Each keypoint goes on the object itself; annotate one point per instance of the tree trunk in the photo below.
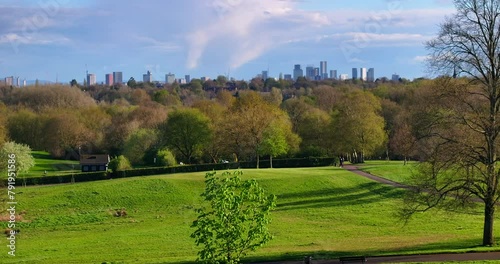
(489, 216)
(271, 161)
(258, 160)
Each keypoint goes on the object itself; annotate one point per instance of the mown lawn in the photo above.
(391, 170)
(45, 163)
(325, 212)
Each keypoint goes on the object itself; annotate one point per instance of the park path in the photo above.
(477, 256)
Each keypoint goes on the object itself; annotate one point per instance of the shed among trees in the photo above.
(91, 163)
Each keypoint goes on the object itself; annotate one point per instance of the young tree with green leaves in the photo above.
(235, 220)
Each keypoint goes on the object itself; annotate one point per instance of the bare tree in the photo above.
(462, 136)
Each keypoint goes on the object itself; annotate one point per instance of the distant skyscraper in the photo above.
(147, 78)
(170, 78)
(109, 79)
(297, 72)
(362, 74)
(18, 82)
(265, 75)
(288, 77)
(91, 80)
(333, 74)
(9, 80)
(117, 77)
(354, 73)
(371, 75)
(188, 78)
(317, 74)
(204, 78)
(323, 71)
(25, 83)
(310, 72)
(395, 77)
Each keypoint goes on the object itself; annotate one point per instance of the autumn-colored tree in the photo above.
(27, 127)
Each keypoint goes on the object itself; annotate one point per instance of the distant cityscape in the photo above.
(311, 73)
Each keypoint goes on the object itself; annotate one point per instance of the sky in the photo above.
(62, 39)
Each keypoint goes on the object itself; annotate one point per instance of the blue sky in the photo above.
(48, 38)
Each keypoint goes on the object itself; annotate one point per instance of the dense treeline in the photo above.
(216, 120)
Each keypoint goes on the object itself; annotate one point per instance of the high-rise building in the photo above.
(288, 77)
(264, 75)
(354, 73)
(109, 79)
(310, 72)
(317, 74)
(323, 70)
(9, 81)
(362, 74)
(333, 74)
(170, 78)
(395, 77)
(91, 80)
(371, 75)
(25, 83)
(18, 82)
(147, 78)
(297, 72)
(117, 77)
(188, 78)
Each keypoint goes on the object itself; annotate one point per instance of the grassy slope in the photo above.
(328, 211)
(391, 170)
(44, 162)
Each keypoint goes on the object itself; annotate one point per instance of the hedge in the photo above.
(56, 179)
(95, 176)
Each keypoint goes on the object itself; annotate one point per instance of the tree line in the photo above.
(212, 125)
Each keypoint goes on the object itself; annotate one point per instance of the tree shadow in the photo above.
(337, 196)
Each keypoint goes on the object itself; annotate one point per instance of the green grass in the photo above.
(45, 163)
(325, 212)
(391, 170)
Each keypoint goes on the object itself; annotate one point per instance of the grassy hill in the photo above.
(45, 163)
(327, 212)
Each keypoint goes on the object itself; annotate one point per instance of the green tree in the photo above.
(465, 131)
(73, 83)
(235, 221)
(24, 159)
(186, 131)
(138, 143)
(131, 82)
(357, 126)
(274, 142)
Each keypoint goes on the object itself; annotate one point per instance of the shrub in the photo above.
(119, 163)
(165, 158)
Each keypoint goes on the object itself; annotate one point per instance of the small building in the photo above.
(91, 163)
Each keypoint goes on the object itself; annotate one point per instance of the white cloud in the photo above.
(157, 45)
(249, 29)
(420, 59)
(33, 39)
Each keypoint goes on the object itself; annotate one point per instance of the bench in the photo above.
(361, 259)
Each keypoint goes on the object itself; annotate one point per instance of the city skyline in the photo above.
(51, 40)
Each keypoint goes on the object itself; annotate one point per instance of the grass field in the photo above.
(45, 163)
(391, 170)
(325, 212)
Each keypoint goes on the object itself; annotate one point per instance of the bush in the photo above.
(165, 158)
(119, 163)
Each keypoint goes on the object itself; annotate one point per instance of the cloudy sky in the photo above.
(48, 38)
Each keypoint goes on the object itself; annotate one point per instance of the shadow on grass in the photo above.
(333, 197)
(458, 246)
